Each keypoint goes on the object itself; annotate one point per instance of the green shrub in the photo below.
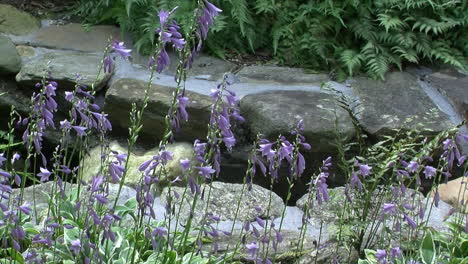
(349, 36)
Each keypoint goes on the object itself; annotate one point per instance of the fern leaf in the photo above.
(390, 22)
(351, 59)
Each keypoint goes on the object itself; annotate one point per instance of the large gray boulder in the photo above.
(399, 102)
(278, 113)
(10, 62)
(454, 86)
(124, 92)
(16, 22)
(64, 68)
(329, 211)
(92, 161)
(223, 202)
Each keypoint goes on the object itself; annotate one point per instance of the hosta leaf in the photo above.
(427, 249)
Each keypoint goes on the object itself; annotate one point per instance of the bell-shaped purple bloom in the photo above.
(75, 246)
(120, 48)
(364, 169)
(80, 130)
(182, 104)
(163, 61)
(229, 141)
(429, 172)
(185, 164)
(205, 171)
(25, 208)
(252, 249)
(389, 208)
(412, 166)
(395, 252)
(381, 256)
(410, 221)
(44, 174)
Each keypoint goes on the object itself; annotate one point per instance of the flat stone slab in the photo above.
(124, 92)
(399, 102)
(285, 75)
(278, 112)
(454, 86)
(10, 61)
(74, 37)
(16, 22)
(64, 67)
(204, 67)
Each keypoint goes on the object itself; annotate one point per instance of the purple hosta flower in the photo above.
(121, 49)
(80, 130)
(165, 156)
(159, 232)
(364, 169)
(355, 182)
(410, 221)
(199, 149)
(49, 89)
(436, 198)
(5, 188)
(395, 252)
(321, 185)
(44, 174)
(108, 64)
(300, 164)
(182, 104)
(185, 164)
(15, 157)
(121, 158)
(65, 124)
(429, 172)
(260, 221)
(381, 256)
(18, 233)
(252, 249)
(389, 208)
(75, 246)
(206, 18)
(412, 261)
(412, 166)
(163, 61)
(25, 208)
(5, 174)
(116, 171)
(96, 182)
(206, 171)
(286, 150)
(104, 123)
(229, 141)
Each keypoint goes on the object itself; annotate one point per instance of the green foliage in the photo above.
(348, 36)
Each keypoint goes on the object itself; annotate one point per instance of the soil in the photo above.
(41, 7)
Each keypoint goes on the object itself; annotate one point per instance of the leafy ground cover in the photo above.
(382, 215)
(347, 37)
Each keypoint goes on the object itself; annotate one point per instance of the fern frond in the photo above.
(351, 59)
(390, 22)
